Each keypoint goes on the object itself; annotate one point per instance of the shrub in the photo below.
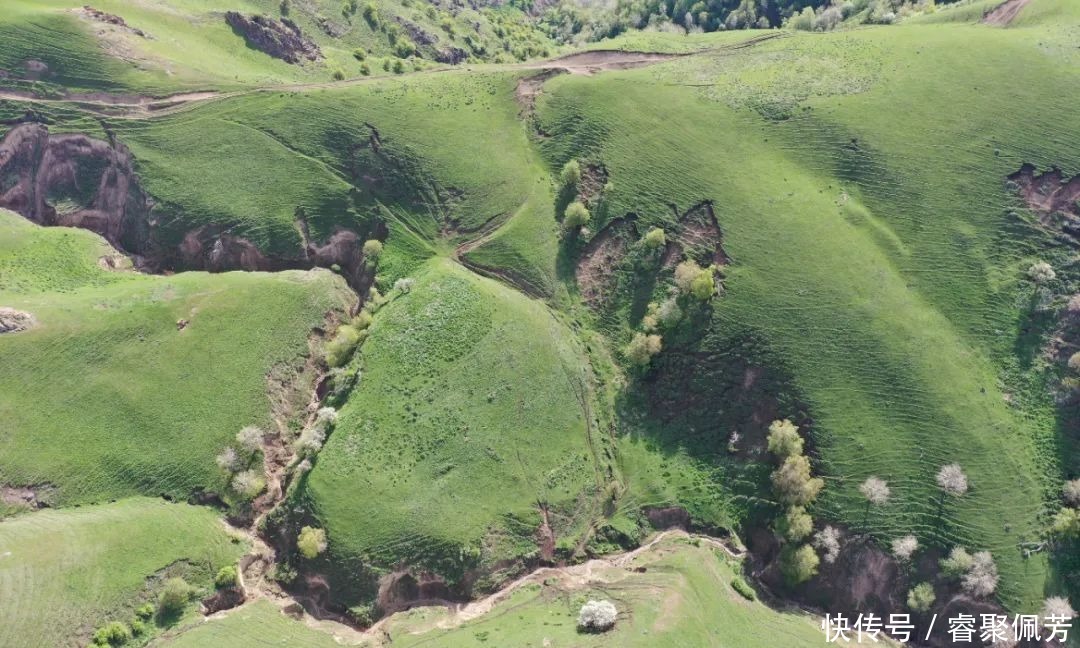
(744, 590)
(174, 596)
(952, 480)
(570, 174)
(145, 611)
(398, 67)
(113, 633)
(338, 75)
(371, 14)
(655, 239)
(248, 484)
(793, 483)
(875, 490)
(597, 616)
(796, 524)
(250, 438)
(982, 579)
(784, 440)
(226, 577)
(575, 216)
(957, 563)
(340, 349)
(359, 54)
(386, 64)
(921, 597)
(404, 49)
(799, 565)
(904, 548)
(703, 286)
(1041, 272)
(1071, 491)
(138, 627)
(642, 348)
(365, 69)
(828, 540)
(404, 285)
(372, 248)
(311, 542)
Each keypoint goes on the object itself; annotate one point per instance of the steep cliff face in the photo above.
(73, 180)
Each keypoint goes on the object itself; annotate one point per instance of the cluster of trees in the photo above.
(242, 462)
(173, 598)
(796, 489)
(576, 215)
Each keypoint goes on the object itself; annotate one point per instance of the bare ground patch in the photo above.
(13, 321)
(1005, 12)
(1053, 196)
(595, 276)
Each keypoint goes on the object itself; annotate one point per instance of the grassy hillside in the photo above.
(859, 182)
(468, 418)
(63, 573)
(108, 370)
(255, 625)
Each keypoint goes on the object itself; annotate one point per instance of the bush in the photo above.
(404, 285)
(338, 75)
(399, 67)
(226, 577)
(404, 49)
(311, 542)
(597, 616)
(921, 597)
(570, 175)
(799, 565)
(145, 611)
(228, 460)
(642, 348)
(744, 590)
(575, 216)
(113, 633)
(341, 348)
(952, 480)
(365, 69)
(362, 320)
(174, 597)
(655, 239)
(1066, 523)
(138, 627)
(359, 54)
(372, 248)
(784, 440)
(371, 14)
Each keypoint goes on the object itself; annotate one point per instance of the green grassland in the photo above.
(469, 416)
(859, 181)
(63, 573)
(107, 372)
(255, 625)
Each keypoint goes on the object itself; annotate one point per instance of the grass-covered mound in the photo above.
(128, 383)
(255, 625)
(859, 180)
(64, 573)
(471, 416)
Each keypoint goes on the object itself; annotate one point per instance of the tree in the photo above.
(828, 540)
(570, 174)
(341, 348)
(796, 524)
(904, 548)
(597, 616)
(1040, 272)
(958, 563)
(1074, 361)
(250, 438)
(1066, 523)
(685, 273)
(228, 460)
(642, 348)
(982, 579)
(404, 285)
(248, 483)
(793, 482)
(875, 490)
(575, 216)
(311, 542)
(952, 480)
(799, 565)
(372, 249)
(784, 440)
(1057, 610)
(655, 239)
(1071, 491)
(703, 286)
(669, 314)
(174, 596)
(226, 577)
(921, 597)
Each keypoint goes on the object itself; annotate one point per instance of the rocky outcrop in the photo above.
(452, 55)
(281, 39)
(75, 181)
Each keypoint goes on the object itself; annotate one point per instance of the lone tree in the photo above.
(784, 440)
(597, 616)
(570, 175)
(828, 540)
(575, 216)
(311, 542)
(952, 480)
(1041, 272)
(921, 597)
(876, 491)
(793, 483)
(904, 548)
(372, 249)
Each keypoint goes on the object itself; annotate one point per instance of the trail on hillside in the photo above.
(1005, 12)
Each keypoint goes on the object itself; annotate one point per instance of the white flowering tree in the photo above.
(597, 616)
(904, 548)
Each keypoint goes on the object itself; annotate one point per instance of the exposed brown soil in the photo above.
(529, 88)
(1054, 197)
(595, 267)
(593, 179)
(110, 19)
(33, 497)
(545, 536)
(404, 589)
(700, 237)
(668, 517)
(223, 599)
(281, 39)
(13, 321)
(601, 60)
(1005, 12)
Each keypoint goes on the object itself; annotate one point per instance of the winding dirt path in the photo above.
(1005, 12)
